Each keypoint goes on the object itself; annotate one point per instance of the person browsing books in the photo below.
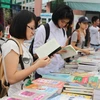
(78, 36)
(62, 16)
(22, 28)
(95, 33)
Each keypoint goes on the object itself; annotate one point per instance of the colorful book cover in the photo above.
(12, 98)
(42, 89)
(81, 80)
(98, 86)
(93, 82)
(84, 74)
(77, 79)
(49, 82)
(79, 95)
(70, 97)
(56, 76)
(31, 95)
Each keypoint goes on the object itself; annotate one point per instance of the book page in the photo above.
(70, 52)
(48, 48)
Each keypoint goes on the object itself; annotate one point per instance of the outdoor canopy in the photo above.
(86, 5)
(6, 3)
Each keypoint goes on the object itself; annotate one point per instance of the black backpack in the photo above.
(47, 32)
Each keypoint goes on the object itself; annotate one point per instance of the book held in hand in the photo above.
(48, 49)
(70, 52)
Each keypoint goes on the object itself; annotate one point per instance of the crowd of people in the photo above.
(87, 33)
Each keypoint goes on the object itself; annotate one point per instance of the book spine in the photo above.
(67, 86)
(74, 89)
(66, 91)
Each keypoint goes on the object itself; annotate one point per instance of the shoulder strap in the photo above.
(2, 39)
(78, 35)
(19, 45)
(20, 51)
(47, 30)
(63, 32)
(31, 47)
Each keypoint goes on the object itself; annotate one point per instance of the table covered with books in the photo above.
(78, 80)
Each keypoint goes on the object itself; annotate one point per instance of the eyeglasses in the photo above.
(30, 27)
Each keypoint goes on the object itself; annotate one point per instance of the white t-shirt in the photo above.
(94, 35)
(27, 61)
(39, 39)
(2, 40)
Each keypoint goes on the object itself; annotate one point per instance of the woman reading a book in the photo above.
(22, 28)
(61, 17)
(78, 36)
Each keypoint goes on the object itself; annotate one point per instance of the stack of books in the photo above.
(70, 96)
(72, 65)
(50, 82)
(57, 76)
(31, 95)
(96, 93)
(50, 91)
(10, 98)
(67, 70)
(78, 90)
(87, 64)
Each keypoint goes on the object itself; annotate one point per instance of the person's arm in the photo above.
(79, 49)
(74, 39)
(13, 74)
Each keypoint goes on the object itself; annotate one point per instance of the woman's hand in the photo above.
(42, 62)
(62, 51)
(86, 51)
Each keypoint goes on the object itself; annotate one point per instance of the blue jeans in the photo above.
(95, 47)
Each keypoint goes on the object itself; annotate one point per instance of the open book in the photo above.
(48, 49)
(70, 52)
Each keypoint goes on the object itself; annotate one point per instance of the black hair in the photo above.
(38, 18)
(9, 21)
(19, 24)
(62, 12)
(94, 19)
(1, 28)
(77, 26)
